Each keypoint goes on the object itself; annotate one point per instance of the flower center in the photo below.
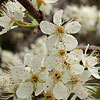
(57, 76)
(66, 64)
(49, 96)
(62, 52)
(74, 80)
(34, 79)
(60, 29)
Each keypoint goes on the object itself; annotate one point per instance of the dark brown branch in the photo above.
(38, 15)
(91, 48)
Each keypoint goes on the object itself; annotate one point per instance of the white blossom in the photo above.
(36, 79)
(86, 15)
(61, 31)
(13, 13)
(89, 62)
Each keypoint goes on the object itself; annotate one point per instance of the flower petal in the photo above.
(71, 59)
(72, 27)
(47, 27)
(44, 75)
(77, 53)
(92, 61)
(36, 63)
(49, 62)
(84, 77)
(24, 90)
(66, 77)
(94, 72)
(51, 42)
(76, 69)
(60, 91)
(20, 74)
(28, 58)
(48, 84)
(57, 18)
(39, 89)
(70, 42)
(80, 91)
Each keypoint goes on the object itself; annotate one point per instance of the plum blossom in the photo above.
(55, 84)
(58, 57)
(14, 12)
(89, 62)
(60, 31)
(76, 84)
(18, 75)
(72, 62)
(36, 80)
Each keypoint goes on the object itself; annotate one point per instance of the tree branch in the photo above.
(91, 48)
(38, 15)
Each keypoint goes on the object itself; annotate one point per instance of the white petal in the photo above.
(28, 58)
(20, 74)
(94, 72)
(57, 18)
(73, 27)
(60, 91)
(77, 69)
(49, 62)
(66, 77)
(80, 91)
(48, 84)
(44, 75)
(50, 1)
(51, 42)
(77, 53)
(39, 89)
(29, 98)
(36, 63)
(24, 90)
(84, 77)
(47, 27)
(92, 61)
(70, 42)
(72, 59)
(18, 16)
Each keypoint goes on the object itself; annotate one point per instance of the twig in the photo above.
(91, 48)
(38, 15)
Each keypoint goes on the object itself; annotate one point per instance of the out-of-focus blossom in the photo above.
(86, 15)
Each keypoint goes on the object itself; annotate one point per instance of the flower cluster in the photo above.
(13, 11)
(64, 70)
